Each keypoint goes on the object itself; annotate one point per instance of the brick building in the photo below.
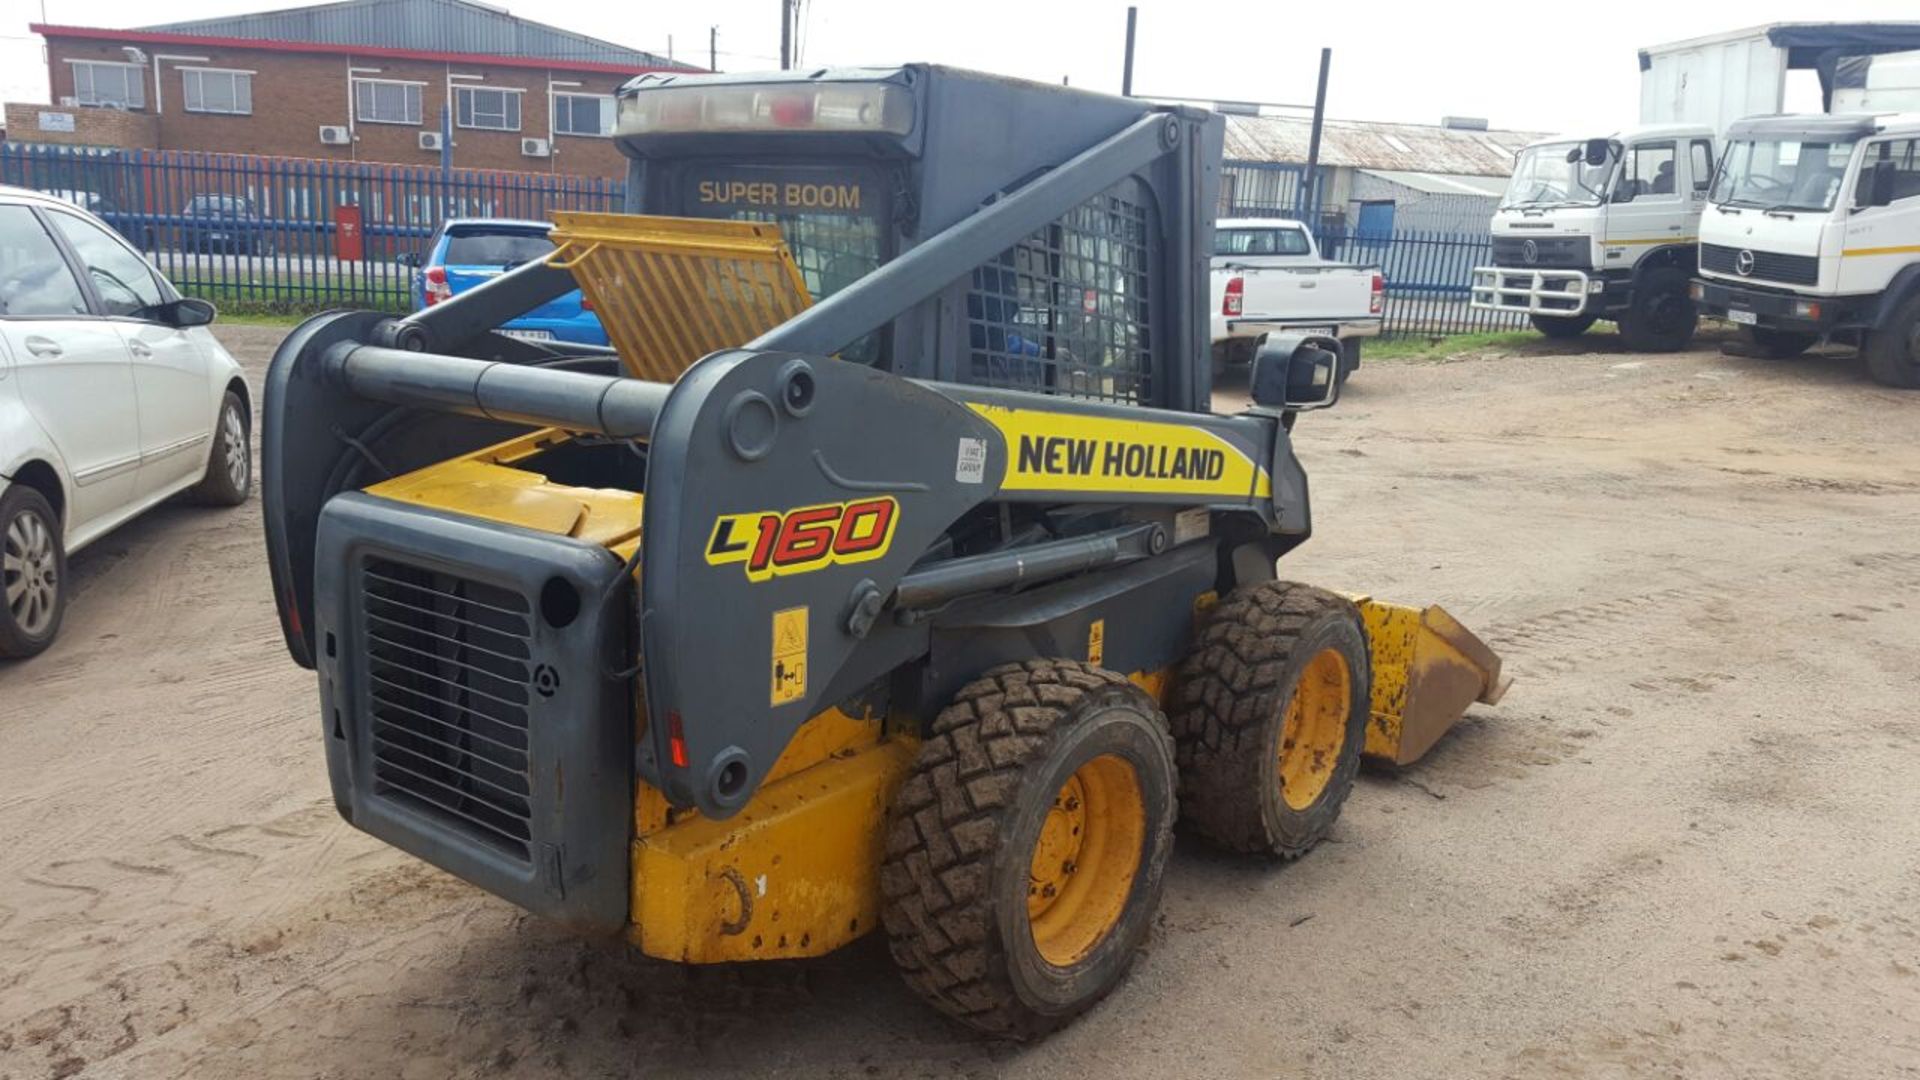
(363, 80)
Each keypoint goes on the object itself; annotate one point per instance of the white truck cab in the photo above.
(1602, 228)
(1813, 230)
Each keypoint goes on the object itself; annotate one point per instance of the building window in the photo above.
(486, 109)
(117, 86)
(382, 101)
(211, 90)
(583, 114)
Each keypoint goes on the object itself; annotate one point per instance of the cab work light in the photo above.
(817, 107)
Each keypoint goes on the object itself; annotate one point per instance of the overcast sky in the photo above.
(1548, 67)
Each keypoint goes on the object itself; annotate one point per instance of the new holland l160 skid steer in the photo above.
(891, 572)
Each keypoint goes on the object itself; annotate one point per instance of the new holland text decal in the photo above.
(1049, 451)
(772, 542)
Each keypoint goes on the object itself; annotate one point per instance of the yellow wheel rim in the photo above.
(1083, 865)
(1315, 728)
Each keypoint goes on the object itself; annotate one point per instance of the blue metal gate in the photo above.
(264, 231)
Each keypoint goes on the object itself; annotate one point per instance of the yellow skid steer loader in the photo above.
(891, 572)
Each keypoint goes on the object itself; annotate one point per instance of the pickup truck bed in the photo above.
(1268, 277)
(1250, 301)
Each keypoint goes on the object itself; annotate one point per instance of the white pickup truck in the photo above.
(1268, 277)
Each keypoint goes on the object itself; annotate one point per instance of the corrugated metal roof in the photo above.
(1366, 145)
(1438, 184)
(443, 26)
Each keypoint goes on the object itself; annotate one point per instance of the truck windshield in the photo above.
(1543, 176)
(1781, 174)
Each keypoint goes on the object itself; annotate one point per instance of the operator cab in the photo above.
(859, 165)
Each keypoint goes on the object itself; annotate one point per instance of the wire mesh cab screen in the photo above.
(832, 218)
(1067, 311)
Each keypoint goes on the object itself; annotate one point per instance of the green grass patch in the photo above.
(1438, 346)
(288, 303)
(229, 317)
(236, 303)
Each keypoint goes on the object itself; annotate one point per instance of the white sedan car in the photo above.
(113, 397)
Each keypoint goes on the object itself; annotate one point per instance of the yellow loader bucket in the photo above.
(1427, 668)
(671, 290)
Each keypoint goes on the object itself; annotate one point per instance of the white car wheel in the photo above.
(33, 566)
(229, 475)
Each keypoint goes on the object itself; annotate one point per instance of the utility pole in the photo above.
(713, 48)
(1309, 188)
(786, 34)
(1126, 73)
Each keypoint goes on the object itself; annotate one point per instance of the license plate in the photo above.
(1744, 318)
(1322, 331)
(529, 335)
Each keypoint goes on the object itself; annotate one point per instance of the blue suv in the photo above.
(470, 251)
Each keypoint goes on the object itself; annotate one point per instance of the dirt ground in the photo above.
(1687, 845)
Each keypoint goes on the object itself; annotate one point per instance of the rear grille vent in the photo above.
(448, 665)
(1767, 265)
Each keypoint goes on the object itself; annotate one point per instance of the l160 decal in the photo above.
(773, 542)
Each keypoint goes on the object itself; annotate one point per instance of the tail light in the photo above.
(437, 287)
(1378, 301)
(586, 302)
(1236, 299)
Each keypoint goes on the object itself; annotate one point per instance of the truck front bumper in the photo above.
(1779, 309)
(1562, 293)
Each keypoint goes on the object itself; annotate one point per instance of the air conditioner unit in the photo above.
(333, 135)
(69, 102)
(534, 148)
(429, 140)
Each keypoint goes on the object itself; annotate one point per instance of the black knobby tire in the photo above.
(1660, 317)
(1776, 344)
(31, 550)
(1893, 351)
(229, 475)
(1230, 716)
(963, 831)
(1562, 327)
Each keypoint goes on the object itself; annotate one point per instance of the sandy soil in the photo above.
(1688, 844)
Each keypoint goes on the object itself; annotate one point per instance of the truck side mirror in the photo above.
(1296, 372)
(1597, 151)
(1880, 184)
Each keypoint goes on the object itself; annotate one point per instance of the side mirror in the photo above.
(1296, 372)
(409, 259)
(1597, 152)
(181, 314)
(1880, 184)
